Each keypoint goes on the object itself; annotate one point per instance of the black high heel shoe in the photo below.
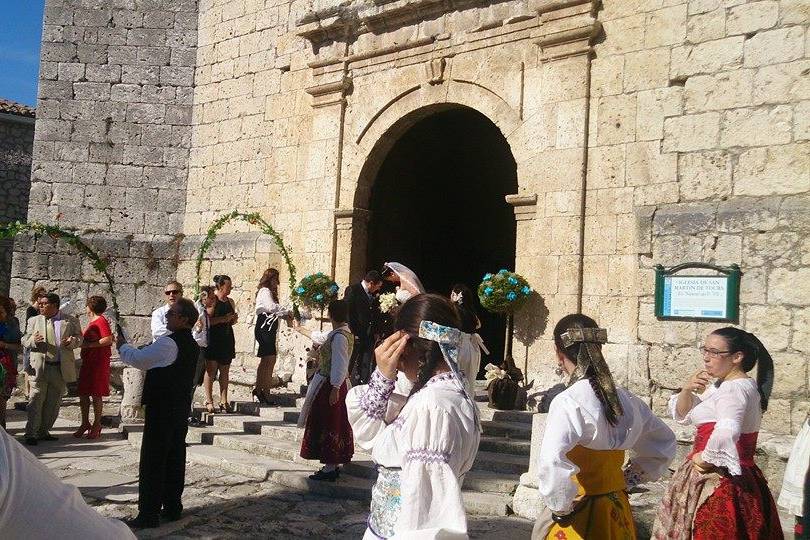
(258, 394)
(330, 476)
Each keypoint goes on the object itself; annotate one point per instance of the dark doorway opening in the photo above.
(437, 206)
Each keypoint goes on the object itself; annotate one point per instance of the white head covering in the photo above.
(407, 278)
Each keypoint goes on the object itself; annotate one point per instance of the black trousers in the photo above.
(162, 471)
(362, 363)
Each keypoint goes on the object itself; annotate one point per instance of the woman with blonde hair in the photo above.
(268, 313)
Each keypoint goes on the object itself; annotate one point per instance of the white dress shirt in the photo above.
(160, 353)
(159, 322)
(28, 488)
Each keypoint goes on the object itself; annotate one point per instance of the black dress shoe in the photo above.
(141, 522)
(30, 441)
(48, 437)
(169, 516)
(324, 476)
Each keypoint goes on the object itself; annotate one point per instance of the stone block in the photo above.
(146, 113)
(721, 91)
(70, 71)
(770, 248)
(91, 91)
(149, 37)
(773, 170)
(606, 166)
(789, 287)
(706, 26)
(691, 132)
(89, 173)
(707, 57)
(794, 213)
(800, 340)
(794, 365)
(665, 26)
(757, 126)
(653, 107)
(646, 165)
(774, 46)
(782, 83)
(684, 219)
(140, 74)
(771, 324)
(607, 73)
(617, 119)
(704, 175)
(646, 69)
(754, 286)
(752, 17)
(624, 35)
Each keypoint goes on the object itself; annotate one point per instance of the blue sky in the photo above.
(20, 32)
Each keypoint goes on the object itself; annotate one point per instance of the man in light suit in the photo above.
(51, 336)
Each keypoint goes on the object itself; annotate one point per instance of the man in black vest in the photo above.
(170, 362)
(362, 304)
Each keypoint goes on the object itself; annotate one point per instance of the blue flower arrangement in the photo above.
(504, 292)
(316, 290)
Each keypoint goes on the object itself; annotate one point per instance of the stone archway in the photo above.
(437, 203)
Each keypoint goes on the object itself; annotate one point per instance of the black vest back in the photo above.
(171, 385)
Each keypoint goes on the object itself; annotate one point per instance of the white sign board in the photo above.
(695, 296)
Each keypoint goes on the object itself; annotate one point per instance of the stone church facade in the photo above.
(642, 132)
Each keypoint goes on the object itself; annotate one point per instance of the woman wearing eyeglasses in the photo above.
(719, 492)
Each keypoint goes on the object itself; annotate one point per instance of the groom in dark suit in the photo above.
(362, 304)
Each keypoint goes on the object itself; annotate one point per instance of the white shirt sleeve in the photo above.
(26, 485)
(430, 490)
(266, 304)
(653, 451)
(565, 427)
(672, 406)
(721, 448)
(159, 323)
(366, 406)
(160, 353)
(340, 360)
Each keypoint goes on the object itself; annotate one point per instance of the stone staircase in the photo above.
(263, 442)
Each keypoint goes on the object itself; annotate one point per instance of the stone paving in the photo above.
(218, 504)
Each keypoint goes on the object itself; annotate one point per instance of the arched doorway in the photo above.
(437, 205)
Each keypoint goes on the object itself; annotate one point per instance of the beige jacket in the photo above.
(67, 327)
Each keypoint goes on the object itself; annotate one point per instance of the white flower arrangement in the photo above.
(387, 302)
(493, 372)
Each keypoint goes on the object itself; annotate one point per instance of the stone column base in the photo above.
(131, 408)
(526, 502)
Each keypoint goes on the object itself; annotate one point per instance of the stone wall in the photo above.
(111, 146)
(16, 141)
(699, 152)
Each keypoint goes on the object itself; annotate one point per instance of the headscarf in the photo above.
(591, 365)
(449, 339)
(407, 278)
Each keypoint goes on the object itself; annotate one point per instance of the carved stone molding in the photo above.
(345, 218)
(329, 93)
(567, 28)
(434, 69)
(525, 206)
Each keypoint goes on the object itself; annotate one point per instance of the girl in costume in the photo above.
(328, 435)
(792, 496)
(423, 444)
(590, 425)
(719, 492)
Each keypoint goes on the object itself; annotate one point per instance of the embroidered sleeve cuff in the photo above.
(425, 455)
(375, 399)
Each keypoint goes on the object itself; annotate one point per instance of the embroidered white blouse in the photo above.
(434, 440)
(734, 407)
(576, 417)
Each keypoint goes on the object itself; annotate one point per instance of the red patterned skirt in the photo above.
(717, 505)
(328, 435)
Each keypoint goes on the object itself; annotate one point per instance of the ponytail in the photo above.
(754, 354)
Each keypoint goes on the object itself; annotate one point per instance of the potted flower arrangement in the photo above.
(504, 293)
(316, 291)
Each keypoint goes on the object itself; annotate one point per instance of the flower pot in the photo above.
(503, 394)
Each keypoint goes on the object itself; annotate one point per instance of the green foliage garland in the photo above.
(316, 290)
(101, 265)
(504, 292)
(254, 219)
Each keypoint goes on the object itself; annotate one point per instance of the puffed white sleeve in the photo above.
(565, 427)
(431, 503)
(653, 451)
(366, 405)
(266, 304)
(672, 406)
(721, 448)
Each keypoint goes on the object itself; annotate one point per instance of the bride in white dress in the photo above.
(424, 447)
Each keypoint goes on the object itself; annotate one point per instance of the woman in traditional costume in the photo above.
(589, 427)
(422, 448)
(719, 492)
(792, 496)
(328, 434)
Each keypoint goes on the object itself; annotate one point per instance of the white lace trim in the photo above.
(723, 458)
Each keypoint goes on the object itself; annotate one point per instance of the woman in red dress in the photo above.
(94, 377)
(719, 492)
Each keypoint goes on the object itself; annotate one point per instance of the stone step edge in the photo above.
(477, 503)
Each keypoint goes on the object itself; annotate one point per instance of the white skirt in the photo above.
(792, 495)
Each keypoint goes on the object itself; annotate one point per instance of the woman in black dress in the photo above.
(268, 313)
(221, 348)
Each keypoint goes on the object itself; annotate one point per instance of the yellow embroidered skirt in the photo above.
(603, 510)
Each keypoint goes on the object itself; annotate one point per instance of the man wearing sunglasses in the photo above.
(173, 292)
(169, 362)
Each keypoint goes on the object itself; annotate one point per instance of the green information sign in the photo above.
(689, 296)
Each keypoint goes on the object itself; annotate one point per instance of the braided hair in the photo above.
(754, 354)
(572, 352)
(427, 353)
